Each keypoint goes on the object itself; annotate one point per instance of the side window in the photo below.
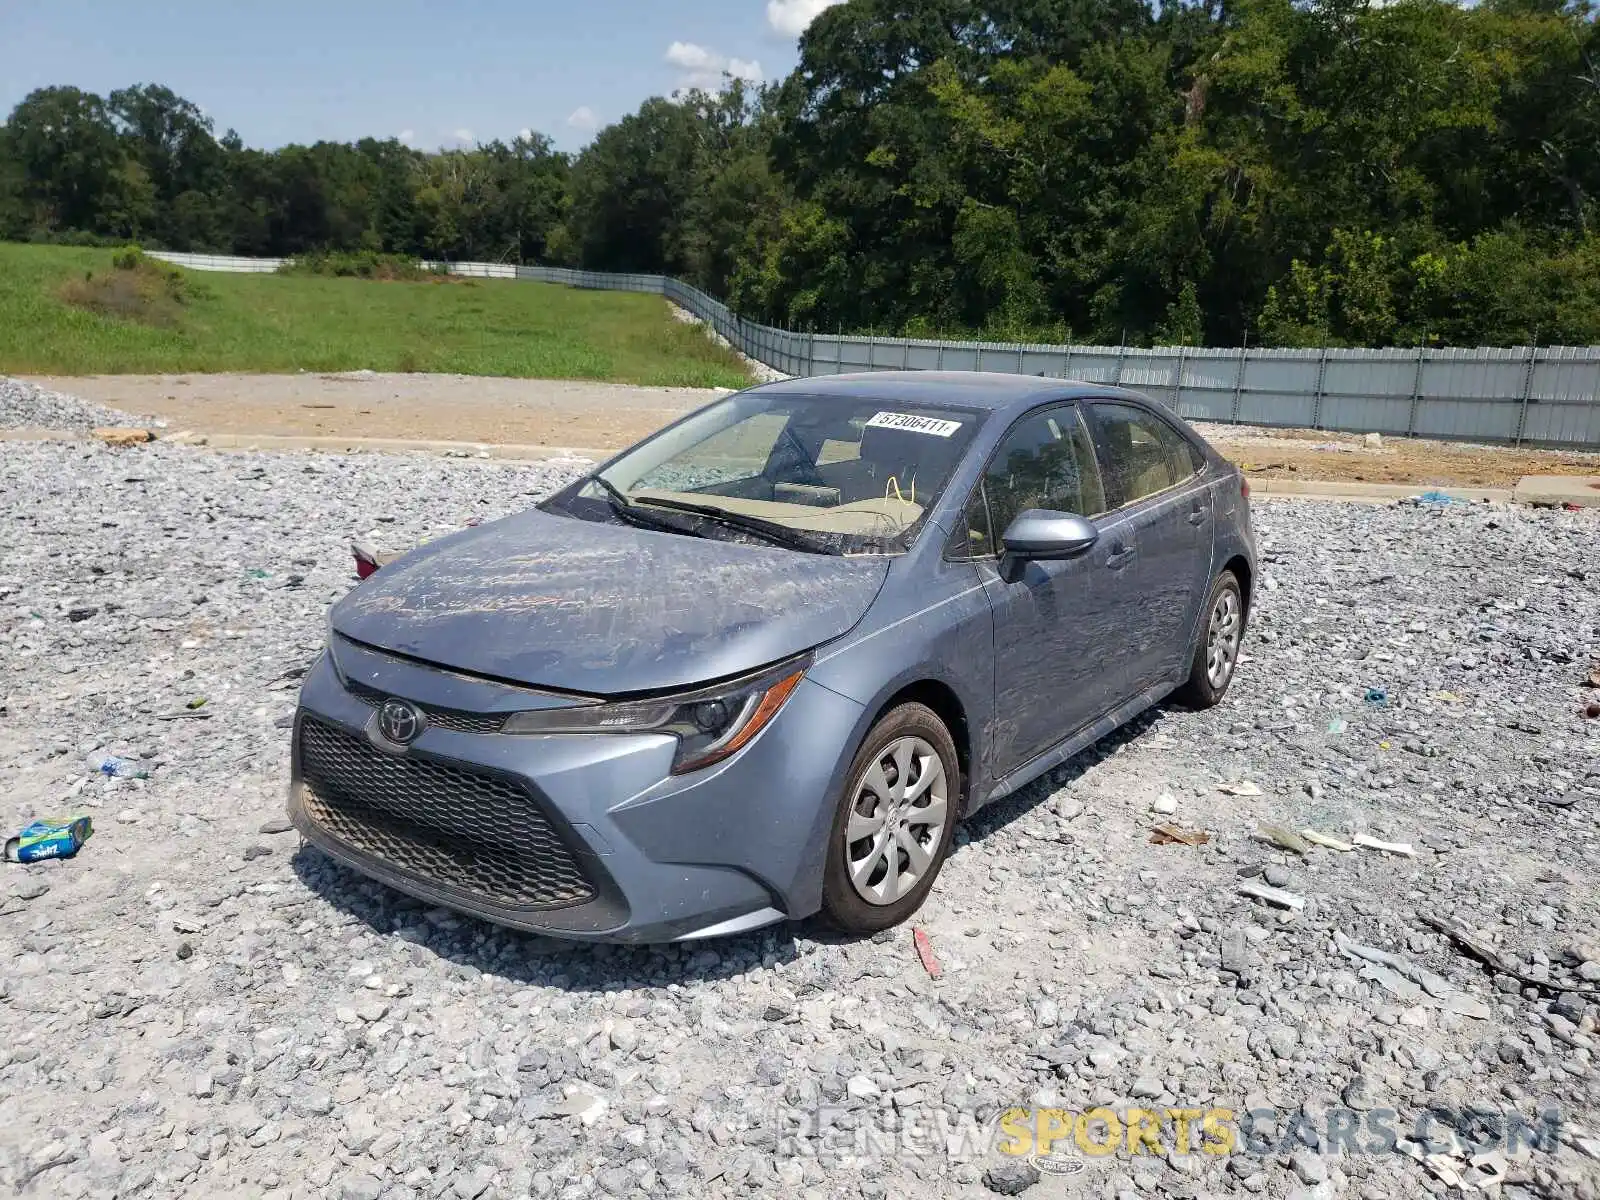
(1045, 461)
(1140, 454)
(1185, 455)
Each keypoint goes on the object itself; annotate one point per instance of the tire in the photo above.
(1221, 634)
(910, 744)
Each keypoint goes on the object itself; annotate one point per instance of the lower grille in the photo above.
(470, 830)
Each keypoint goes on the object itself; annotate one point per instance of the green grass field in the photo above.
(277, 323)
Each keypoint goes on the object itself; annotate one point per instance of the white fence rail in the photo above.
(1542, 396)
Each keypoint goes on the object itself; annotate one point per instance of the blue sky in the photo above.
(435, 73)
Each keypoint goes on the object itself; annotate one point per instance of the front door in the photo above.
(1059, 659)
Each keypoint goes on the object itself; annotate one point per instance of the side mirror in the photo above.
(1039, 533)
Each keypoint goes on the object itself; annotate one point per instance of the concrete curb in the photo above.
(1369, 493)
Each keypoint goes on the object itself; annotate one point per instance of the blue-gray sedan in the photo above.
(759, 665)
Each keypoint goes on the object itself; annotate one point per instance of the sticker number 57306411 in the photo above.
(914, 424)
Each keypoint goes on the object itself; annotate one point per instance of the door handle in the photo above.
(1197, 515)
(1120, 556)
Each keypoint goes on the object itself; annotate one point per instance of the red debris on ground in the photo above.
(925, 953)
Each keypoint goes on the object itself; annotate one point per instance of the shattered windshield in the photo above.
(835, 474)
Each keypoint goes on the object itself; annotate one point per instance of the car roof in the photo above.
(984, 391)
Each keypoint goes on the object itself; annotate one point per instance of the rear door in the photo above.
(1059, 658)
(1154, 479)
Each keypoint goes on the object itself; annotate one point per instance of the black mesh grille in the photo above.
(445, 718)
(473, 831)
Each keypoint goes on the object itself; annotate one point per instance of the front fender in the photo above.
(910, 639)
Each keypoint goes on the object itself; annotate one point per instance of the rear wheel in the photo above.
(894, 822)
(1218, 651)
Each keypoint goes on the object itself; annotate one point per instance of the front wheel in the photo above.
(894, 822)
(1218, 651)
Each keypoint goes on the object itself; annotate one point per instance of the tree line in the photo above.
(1332, 172)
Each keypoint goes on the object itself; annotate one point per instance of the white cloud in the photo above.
(582, 119)
(525, 134)
(792, 17)
(462, 135)
(704, 68)
(408, 135)
(692, 57)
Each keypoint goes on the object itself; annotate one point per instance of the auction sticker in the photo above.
(914, 424)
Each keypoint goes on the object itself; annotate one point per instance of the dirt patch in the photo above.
(607, 417)
(135, 289)
(460, 408)
(1309, 454)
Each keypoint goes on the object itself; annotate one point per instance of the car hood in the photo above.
(603, 609)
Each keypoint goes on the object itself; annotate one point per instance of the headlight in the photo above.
(710, 724)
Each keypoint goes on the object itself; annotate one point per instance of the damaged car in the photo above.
(758, 666)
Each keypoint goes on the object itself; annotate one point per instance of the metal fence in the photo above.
(1542, 396)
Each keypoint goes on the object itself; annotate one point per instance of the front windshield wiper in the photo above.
(773, 532)
(627, 510)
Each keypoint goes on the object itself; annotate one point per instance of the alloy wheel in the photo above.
(897, 820)
(1222, 640)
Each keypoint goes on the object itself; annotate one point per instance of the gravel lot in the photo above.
(198, 1006)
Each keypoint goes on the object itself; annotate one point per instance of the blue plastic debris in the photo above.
(1376, 697)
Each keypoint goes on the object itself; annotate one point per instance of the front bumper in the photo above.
(572, 835)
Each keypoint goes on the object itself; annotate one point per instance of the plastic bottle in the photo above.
(110, 765)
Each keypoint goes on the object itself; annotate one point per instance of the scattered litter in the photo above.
(1436, 497)
(1338, 725)
(1412, 983)
(49, 837)
(1322, 839)
(1243, 788)
(1374, 440)
(187, 714)
(113, 435)
(1371, 843)
(257, 573)
(1433, 984)
(369, 558)
(925, 952)
(113, 766)
(1164, 805)
(1167, 835)
(1492, 958)
(1376, 697)
(1488, 1170)
(197, 702)
(1287, 839)
(1447, 697)
(1272, 895)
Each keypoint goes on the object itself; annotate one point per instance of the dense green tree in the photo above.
(1298, 172)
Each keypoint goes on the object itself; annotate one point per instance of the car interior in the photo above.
(836, 476)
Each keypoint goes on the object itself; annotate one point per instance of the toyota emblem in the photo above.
(399, 722)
